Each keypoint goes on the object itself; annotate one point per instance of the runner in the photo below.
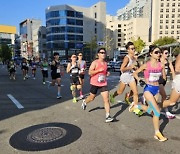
(24, 68)
(44, 69)
(82, 64)
(152, 72)
(57, 71)
(127, 68)
(168, 67)
(73, 68)
(175, 93)
(12, 70)
(98, 81)
(33, 67)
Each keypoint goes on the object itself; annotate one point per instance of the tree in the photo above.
(92, 45)
(164, 40)
(176, 51)
(5, 52)
(139, 44)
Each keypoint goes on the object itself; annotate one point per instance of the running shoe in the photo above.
(44, 82)
(109, 119)
(71, 87)
(83, 105)
(126, 99)
(158, 136)
(111, 98)
(24, 78)
(74, 100)
(169, 115)
(59, 96)
(81, 97)
(14, 78)
(138, 112)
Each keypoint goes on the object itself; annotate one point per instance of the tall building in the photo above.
(165, 19)
(7, 34)
(42, 42)
(29, 38)
(69, 27)
(134, 9)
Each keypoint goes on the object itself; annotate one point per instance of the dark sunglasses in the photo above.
(157, 52)
(74, 57)
(102, 52)
(79, 55)
(132, 48)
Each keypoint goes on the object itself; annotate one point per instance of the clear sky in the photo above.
(12, 12)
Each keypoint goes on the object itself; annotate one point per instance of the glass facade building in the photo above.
(64, 30)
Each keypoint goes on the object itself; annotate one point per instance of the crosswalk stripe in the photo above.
(19, 106)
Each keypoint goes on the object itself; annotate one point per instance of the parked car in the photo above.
(64, 62)
(117, 66)
(111, 65)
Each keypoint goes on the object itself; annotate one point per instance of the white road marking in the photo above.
(55, 83)
(19, 106)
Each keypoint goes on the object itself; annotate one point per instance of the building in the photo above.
(134, 9)
(165, 19)
(29, 29)
(42, 42)
(70, 27)
(127, 30)
(7, 34)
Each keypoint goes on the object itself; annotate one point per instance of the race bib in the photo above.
(154, 77)
(24, 64)
(58, 70)
(45, 69)
(75, 70)
(101, 78)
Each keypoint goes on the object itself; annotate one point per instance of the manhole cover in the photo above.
(45, 136)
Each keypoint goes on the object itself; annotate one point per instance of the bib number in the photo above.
(74, 70)
(58, 70)
(101, 78)
(154, 77)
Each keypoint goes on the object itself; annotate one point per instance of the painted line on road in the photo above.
(19, 106)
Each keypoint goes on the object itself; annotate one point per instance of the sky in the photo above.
(12, 12)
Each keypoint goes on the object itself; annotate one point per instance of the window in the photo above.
(95, 23)
(160, 32)
(172, 32)
(119, 25)
(119, 44)
(167, 5)
(166, 32)
(167, 15)
(178, 4)
(70, 13)
(162, 4)
(95, 30)
(177, 37)
(178, 26)
(166, 26)
(161, 27)
(119, 40)
(173, 15)
(178, 10)
(119, 30)
(178, 21)
(173, 10)
(161, 16)
(172, 21)
(119, 35)
(178, 32)
(161, 21)
(161, 10)
(124, 29)
(172, 26)
(167, 10)
(167, 21)
(173, 4)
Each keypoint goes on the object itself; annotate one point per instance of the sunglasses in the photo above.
(74, 57)
(79, 55)
(102, 52)
(132, 48)
(157, 52)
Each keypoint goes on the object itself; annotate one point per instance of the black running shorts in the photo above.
(94, 89)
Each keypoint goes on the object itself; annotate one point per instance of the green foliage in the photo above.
(139, 44)
(5, 52)
(164, 40)
(176, 51)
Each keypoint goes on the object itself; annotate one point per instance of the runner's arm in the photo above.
(140, 69)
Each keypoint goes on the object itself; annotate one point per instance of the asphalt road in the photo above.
(38, 105)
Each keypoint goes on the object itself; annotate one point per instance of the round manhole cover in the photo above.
(45, 136)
